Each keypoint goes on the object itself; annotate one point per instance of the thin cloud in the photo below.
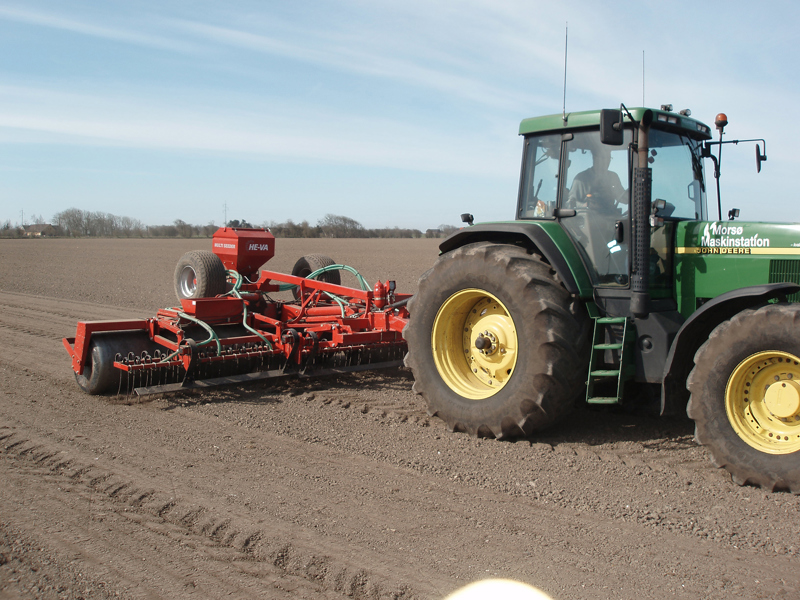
(283, 133)
(54, 21)
(382, 54)
(358, 60)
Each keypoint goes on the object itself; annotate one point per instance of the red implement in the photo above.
(243, 334)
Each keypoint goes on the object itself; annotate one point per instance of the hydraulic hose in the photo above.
(235, 291)
(397, 304)
(314, 275)
(212, 334)
(361, 281)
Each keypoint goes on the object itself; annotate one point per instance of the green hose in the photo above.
(284, 287)
(235, 291)
(212, 334)
(212, 337)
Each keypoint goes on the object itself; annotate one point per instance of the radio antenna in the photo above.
(566, 46)
(643, 102)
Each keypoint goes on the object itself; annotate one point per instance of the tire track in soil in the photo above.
(68, 312)
(225, 538)
(568, 537)
(662, 483)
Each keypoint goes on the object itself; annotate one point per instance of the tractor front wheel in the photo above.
(496, 344)
(745, 396)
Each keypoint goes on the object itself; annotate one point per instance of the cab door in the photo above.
(597, 184)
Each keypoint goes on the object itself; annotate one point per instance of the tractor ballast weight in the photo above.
(613, 286)
(227, 329)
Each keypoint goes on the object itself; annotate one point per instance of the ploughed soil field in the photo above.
(336, 487)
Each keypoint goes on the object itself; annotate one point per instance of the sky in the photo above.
(391, 113)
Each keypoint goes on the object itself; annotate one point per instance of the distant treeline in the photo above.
(74, 222)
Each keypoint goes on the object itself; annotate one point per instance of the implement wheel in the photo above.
(200, 274)
(99, 375)
(497, 346)
(745, 396)
(308, 264)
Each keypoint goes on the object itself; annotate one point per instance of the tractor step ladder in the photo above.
(610, 377)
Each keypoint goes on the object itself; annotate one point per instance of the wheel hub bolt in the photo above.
(486, 343)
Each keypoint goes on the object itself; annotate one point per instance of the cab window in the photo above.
(539, 183)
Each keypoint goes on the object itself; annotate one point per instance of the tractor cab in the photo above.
(571, 176)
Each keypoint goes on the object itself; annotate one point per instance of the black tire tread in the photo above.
(209, 270)
(736, 338)
(561, 346)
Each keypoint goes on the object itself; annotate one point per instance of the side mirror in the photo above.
(733, 213)
(760, 157)
(611, 127)
(467, 218)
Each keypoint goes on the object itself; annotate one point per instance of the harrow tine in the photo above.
(200, 384)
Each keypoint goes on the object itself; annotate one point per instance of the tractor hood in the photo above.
(714, 257)
(736, 237)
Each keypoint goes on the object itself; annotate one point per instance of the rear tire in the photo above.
(99, 375)
(745, 397)
(313, 262)
(200, 274)
(497, 346)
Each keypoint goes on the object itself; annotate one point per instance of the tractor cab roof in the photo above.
(662, 119)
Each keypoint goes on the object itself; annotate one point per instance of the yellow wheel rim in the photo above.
(762, 400)
(474, 343)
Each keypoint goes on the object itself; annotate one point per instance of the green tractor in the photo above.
(613, 286)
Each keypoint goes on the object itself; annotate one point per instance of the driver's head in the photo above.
(601, 159)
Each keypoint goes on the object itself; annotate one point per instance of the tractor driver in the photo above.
(598, 188)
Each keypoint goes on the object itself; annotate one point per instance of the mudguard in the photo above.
(548, 237)
(695, 331)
